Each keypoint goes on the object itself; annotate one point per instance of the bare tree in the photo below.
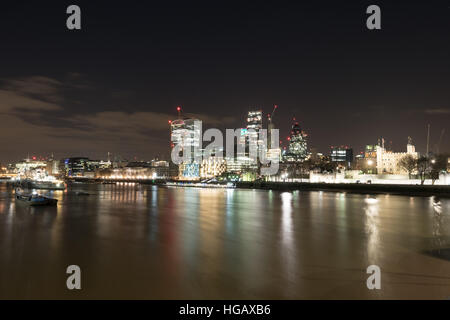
(423, 166)
(408, 163)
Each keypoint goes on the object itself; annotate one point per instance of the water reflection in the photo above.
(287, 249)
(371, 210)
(186, 243)
(438, 225)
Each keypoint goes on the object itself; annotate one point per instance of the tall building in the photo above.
(187, 134)
(241, 162)
(298, 147)
(254, 126)
(254, 120)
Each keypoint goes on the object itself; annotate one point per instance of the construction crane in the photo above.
(270, 115)
(271, 126)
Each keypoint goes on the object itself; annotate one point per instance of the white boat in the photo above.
(41, 184)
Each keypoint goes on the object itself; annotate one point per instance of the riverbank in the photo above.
(395, 189)
(408, 190)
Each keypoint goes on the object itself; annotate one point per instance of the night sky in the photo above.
(113, 86)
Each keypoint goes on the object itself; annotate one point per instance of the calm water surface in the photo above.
(147, 242)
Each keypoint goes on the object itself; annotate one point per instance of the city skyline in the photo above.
(112, 86)
(203, 153)
(284, 144)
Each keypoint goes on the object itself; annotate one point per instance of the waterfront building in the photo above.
(189, 171)
(212, 167)
(241, 168)
(388, 161)
(30, 164)
(160, 169)
(342, 156)
(53, 167)
(130, 173)
(76, 167)
(138, 170)
(94, 165)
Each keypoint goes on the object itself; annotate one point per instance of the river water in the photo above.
(148, 242)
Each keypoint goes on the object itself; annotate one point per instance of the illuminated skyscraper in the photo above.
(254, 120)
(187, 134)
(298, 148)
(254, 126)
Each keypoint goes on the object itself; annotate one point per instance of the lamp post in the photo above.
(370, 164)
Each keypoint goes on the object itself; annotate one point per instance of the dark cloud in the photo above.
(32, 122)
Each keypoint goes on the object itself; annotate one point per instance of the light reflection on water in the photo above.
(371, 209)
(135, 241)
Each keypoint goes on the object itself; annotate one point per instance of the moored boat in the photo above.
(35, 199)
(41, 184)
